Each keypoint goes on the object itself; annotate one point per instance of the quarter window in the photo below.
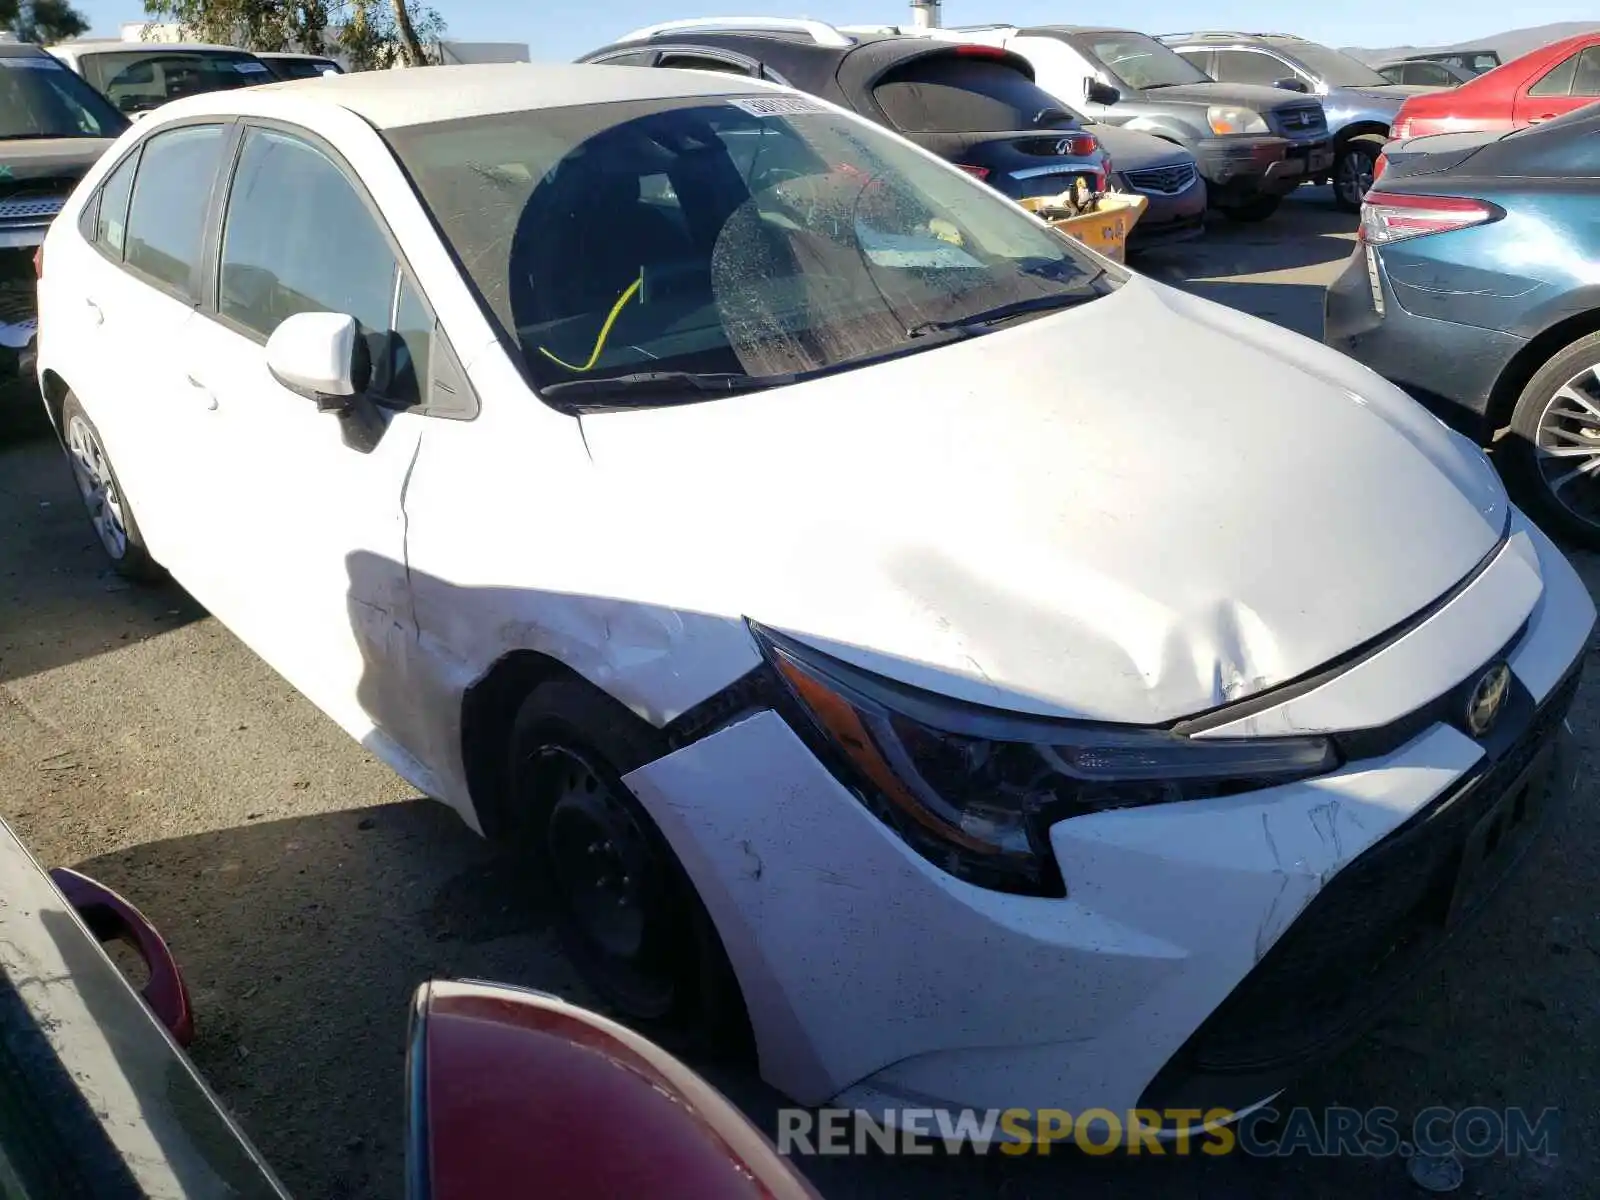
(699, 62)
(1558, 80)
(167, 214)
(1586, 80)
(111, 214)
(298, 238)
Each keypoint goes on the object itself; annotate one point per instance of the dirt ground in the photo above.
(307, 890)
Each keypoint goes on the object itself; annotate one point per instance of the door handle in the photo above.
(95, 311)
(207, 393)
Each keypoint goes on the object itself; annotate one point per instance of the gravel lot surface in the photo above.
(307, 890)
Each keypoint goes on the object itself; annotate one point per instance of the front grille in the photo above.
(1163, 181)
(1359, 939)
(1301, 121)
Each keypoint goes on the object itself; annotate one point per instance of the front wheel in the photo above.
(1257, 208)
(1353, 170)
(1553, 453)
(624, 908)
(110, 512)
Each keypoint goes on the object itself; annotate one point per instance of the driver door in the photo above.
(312, 501)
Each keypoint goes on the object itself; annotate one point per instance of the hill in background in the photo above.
(1513, 43)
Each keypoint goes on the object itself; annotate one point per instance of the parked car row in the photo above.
(1152, 772)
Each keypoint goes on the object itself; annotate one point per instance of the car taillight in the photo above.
(1379, 167)
(1402, 129)
(975, 172)
(1388, 217)
(1081, 145)
(38, 262)
(977, 50)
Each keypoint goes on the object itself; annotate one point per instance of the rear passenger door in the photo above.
(1565, 87)
(140, 278)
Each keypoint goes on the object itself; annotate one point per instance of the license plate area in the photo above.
(1499, 836)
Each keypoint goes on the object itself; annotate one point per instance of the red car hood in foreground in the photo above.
(515, 1092)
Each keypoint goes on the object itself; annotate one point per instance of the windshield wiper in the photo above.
(1004, 312)
(663, 381)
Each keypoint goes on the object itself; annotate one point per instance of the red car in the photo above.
(1541, 86)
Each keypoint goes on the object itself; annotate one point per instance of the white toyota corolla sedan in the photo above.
(981, 674)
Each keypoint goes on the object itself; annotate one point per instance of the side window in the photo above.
(1250, 66)
(700, 62)
(299, 238)
(1557, 81)
(634, 58)
(110, 228)
(1586, 80)
(1201, 59)
(166, 215)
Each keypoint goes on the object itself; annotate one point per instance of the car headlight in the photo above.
(975, 790)
(1226, 119)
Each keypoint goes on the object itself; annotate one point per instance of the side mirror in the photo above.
(321, 356)
(1291, 85)
(1096, 92)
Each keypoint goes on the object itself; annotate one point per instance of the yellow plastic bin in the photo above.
(1105, 229)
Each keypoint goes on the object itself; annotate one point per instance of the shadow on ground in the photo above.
(60, 601)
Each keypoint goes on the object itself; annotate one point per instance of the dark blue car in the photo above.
(1475, 285)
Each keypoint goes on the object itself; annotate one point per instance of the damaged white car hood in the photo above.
(1134, 511)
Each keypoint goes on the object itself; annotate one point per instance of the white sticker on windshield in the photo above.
(776, 106)
(249, 68)
(900, 250)
(32, 62)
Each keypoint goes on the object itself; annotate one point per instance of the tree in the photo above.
(42, 21)
(368, 32)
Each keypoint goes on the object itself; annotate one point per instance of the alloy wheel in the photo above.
(1353, 176)
(98, 487)
(1567, 446)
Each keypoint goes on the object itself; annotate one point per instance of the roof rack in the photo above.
(820, 32)
(1224, 33)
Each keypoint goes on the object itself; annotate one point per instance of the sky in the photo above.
(564, 29)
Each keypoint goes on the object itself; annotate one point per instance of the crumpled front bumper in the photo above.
(875, 980)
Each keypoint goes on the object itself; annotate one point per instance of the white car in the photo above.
(1000, 678)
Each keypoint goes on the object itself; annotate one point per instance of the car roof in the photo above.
(424, 95)
(19, 49)
(292, 54)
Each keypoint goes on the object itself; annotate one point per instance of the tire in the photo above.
(1353, 168)
(109, 509)
(656, 960)
(1257, 208)
(1559, 410)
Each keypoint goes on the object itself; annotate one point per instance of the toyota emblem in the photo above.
(1487, 699)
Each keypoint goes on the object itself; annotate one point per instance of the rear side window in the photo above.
(166, 218)
(946, 94)
(111, 218)
(1586, 79)
(1558, 80)
(701, 62)
(1250, 66)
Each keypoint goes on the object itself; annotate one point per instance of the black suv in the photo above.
(53, 127)
(975, 106)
